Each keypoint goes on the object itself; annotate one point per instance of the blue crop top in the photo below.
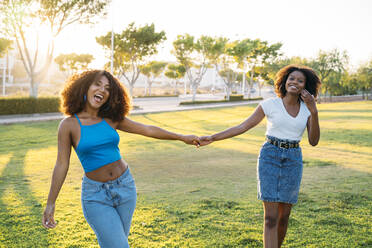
(98, 145)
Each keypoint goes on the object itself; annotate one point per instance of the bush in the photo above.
(218, 101)
(28, 105)
(236, 98)
(166, 94)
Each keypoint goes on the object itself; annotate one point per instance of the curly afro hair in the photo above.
(73, 102)
(312, 83)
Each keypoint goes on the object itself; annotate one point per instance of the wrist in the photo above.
(182, 137)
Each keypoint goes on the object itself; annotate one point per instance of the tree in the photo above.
(195, 56)
(175, 72)
(261, 53)
(25, 17)
(230, 77)
(152, 70)
(217, 51)
(72, 63)
(279, 62)
(362, 79)
(240, 50)
(228, 68)
(131, 48)
(269, 54)
(330, 65)
(262, 77)
(5, 46)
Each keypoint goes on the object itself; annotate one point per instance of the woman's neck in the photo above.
(91, 112)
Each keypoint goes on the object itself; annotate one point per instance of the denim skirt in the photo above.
(279, 173)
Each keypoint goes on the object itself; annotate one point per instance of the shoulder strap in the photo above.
(78, 119)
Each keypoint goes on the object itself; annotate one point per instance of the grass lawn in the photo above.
(190, 197)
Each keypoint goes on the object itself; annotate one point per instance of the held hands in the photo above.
(206, 140)
(191, 140)
(48, 217)
(197, 141)
(309, 100)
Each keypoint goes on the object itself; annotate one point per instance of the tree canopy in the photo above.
(5, 45)
(131, 48)
(195, 56)
(73, 62)
(152, 70)
(23, 18)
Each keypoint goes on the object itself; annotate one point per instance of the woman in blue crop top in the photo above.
(98, 104)
(279, 165)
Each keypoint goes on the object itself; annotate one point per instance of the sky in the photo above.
(303, 26)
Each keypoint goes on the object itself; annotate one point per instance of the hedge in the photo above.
(220, 101)
(28, 105)
(170, 95)
(235, 98)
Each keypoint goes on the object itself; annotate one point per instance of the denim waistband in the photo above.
(283, 140)
(116, 181)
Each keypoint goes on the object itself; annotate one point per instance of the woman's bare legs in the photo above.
(276, 217)
(271, 212)
(284, 212)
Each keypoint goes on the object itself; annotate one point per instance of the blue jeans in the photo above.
(108, 208)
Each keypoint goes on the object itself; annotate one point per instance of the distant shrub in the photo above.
(236, 98)
(152, 96)
(28, 105)
(219, 101)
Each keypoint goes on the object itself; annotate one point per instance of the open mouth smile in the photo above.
(98, 98)
(293, 86)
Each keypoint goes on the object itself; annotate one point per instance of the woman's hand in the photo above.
(191, 140)
(206, 140)
(48, 217)
(309, 100)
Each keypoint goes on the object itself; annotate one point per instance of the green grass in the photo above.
(190, 197)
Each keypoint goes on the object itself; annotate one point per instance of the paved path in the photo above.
(147, 107)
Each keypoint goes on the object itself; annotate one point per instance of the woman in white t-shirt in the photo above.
(279, 166)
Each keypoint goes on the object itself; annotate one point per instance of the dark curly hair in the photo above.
(312, 83)
(73, 102)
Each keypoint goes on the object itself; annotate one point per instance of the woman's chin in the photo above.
(293, 93)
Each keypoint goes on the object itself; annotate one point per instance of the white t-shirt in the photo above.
(282, 125)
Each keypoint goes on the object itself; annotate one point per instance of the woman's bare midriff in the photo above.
(108, 172)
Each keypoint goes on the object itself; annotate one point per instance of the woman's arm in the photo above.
(130, 126)
(249, 123)
(59, 172)
(313, 130)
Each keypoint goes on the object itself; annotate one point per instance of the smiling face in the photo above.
(98, 92)
(295, 83)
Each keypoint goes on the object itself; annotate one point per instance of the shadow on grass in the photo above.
(20, 210)
(317, 163)
(20, 218)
